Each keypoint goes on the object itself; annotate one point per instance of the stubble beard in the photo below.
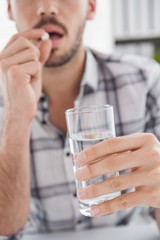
(58, 61)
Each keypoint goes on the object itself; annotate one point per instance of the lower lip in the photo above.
(56, 41)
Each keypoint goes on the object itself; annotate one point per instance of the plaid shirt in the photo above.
(132, 85)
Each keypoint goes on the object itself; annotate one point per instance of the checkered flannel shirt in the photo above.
(132, 85)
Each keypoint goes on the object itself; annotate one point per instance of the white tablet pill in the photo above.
(45, 36)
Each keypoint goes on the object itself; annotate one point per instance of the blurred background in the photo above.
(121, 26)
(136, 27)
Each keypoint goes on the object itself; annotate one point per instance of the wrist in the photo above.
(15, 132)
(18, 118)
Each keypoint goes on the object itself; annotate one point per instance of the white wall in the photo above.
(98, 33)
(7, 28)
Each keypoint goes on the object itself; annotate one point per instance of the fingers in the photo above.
(143, 196)
(21, 77)
(21, 57)
(113, 146)
(30, 68)
(109, 164)
(22, 42)
(18, 46)
(45, 49)
(21, 47)
(31, 34)
(120, 203)
(114, 184)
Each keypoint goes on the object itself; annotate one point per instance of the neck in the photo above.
(65, 79)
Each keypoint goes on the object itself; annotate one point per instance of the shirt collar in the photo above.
(90, 79)
(90, 76)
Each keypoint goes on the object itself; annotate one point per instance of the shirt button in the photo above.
(68, 154)
(43, 122)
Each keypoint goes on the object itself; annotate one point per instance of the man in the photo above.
(39, 81)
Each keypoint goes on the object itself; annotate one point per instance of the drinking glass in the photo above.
(88, 126)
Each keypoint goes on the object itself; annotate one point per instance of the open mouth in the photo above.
(55, 35)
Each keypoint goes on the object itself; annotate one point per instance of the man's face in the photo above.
(64, 20)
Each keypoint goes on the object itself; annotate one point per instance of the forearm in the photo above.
(14, 176)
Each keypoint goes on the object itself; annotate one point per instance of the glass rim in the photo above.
(88, 109)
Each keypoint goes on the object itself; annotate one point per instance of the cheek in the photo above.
(76, 20)
(23, 15)
(78, 10)
(22, 23)
(19, 22)
(75, 30)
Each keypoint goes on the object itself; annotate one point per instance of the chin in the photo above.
(55, 62)
(58, 58)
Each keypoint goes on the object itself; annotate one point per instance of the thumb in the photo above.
(45, 50)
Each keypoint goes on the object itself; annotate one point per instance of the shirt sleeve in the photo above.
(32, 225)
(151, 73)
(152, 115)
(153, 109)
(18, 235)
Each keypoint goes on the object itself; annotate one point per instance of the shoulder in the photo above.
(118, 66)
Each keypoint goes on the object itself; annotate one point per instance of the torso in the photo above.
(57, 113)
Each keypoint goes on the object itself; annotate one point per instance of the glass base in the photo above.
(85, 206)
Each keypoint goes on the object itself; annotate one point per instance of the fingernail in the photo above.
(95, 211)
(79, 174)
(81, 193)
(81, 158)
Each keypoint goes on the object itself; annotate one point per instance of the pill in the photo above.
(45, 36)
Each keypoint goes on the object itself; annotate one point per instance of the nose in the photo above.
(47, 7)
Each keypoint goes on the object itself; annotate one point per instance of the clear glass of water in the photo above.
(88, 126)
